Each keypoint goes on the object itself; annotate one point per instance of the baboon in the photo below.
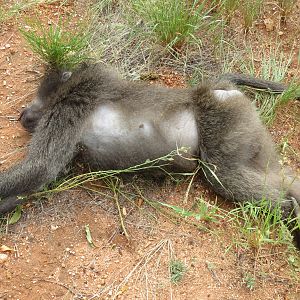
(118, 124)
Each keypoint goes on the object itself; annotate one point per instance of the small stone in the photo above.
(269, 23)
(53, 227)
(3, 258)
(103, 282)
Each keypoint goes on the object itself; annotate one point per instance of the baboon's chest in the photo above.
(122, 138)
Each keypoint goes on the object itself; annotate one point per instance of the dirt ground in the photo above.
(51, 257)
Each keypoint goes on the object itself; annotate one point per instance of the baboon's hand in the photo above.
(296, 224)
(10, 203)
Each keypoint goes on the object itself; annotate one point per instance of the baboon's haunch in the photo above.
(121, 124)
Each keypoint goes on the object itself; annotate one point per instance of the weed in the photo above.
(228, 8)
(103, 6)
(294, 262)
(287, 7)
(177, 270)
(205, 212)
(172, 21)
(158, 163)
(8, 12)
(288, 151)
(57, 47)
(250, 10)
(274, 66)
(292, 92)
(259, 224)
(118, 42)
(249, 280)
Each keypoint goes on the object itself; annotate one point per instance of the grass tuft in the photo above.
(173, 22)
(250, 10)
(287, 7)
(259, 224)
(9, 11)
(177, 270)
(228, 8)
(56, 47)
(274, 66)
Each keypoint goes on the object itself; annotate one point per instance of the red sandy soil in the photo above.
(51, 258)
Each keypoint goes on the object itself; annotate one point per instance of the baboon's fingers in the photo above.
(9, 204)
(296, 208)
(296, 223)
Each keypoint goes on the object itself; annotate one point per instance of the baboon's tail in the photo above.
(258, 83)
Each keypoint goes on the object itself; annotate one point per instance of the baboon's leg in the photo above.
(247, 184)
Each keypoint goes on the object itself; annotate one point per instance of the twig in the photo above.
(190, 185)
(7, 41)
(58, 283)
(116, 231)
(116, 197)
(212, 271)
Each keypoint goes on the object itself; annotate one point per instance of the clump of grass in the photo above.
(118, 42)
(250, 10)
(104, 6)
(177, 270)
(228, 8)
(57, 47)
(274, 66)
(249, 280)
(7, 12)
(293, 92)
(259, 224)
(172, 21)
(207, 212)
(287, 7)
(204, 211)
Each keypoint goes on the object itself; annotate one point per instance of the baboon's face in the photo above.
(31, 115)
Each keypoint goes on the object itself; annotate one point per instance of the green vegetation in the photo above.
(249, 281)
(250, 10)
(228, 7)
(274, 65)
(57, 47)
(287, 7)
(203, 211)
(177, 270)
(9, 11)
(173, 22)
(259, 224)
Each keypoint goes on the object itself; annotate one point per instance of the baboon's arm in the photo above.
(52, 147)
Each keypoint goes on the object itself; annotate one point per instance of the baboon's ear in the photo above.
(65, 76)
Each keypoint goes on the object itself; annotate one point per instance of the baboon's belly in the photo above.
(117, 139)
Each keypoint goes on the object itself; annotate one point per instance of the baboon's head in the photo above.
(49, 86)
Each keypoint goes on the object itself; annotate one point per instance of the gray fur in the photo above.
(120, 123)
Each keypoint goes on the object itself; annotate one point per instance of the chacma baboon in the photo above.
(120, 124)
